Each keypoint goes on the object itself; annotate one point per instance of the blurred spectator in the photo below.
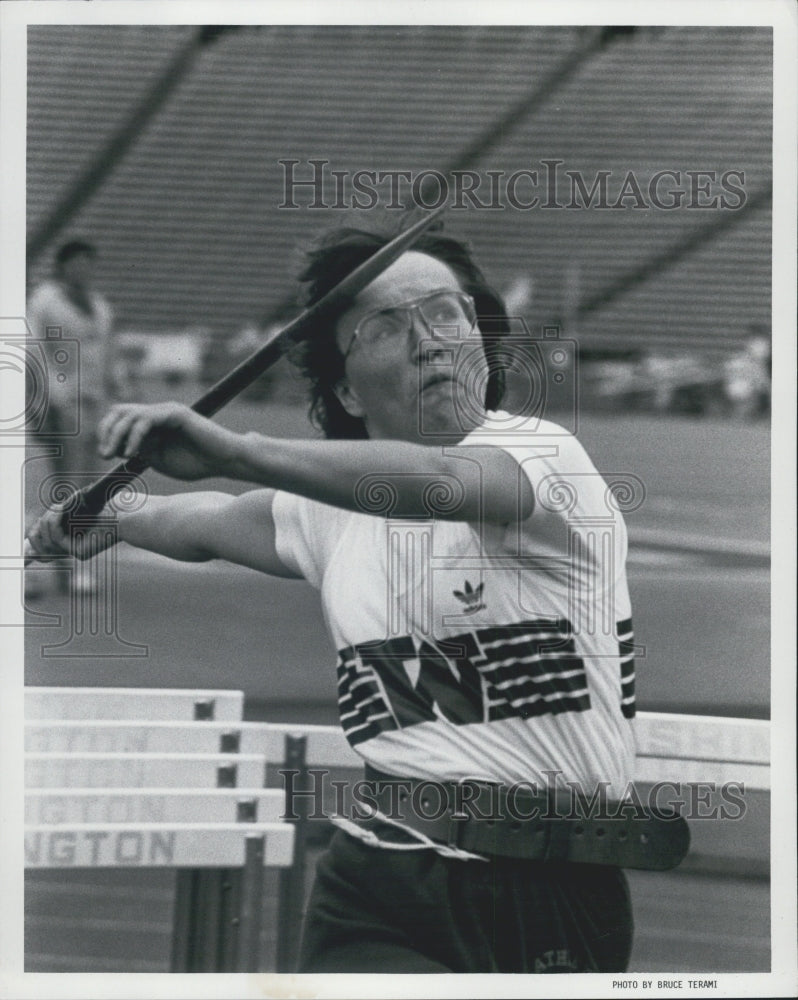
(69, 307)
(657, 375)
(747, 379)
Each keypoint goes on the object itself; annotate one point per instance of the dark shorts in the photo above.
(379, 910)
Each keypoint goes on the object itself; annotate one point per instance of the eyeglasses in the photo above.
(444, 308)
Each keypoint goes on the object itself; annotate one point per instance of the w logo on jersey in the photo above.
(470, 598)
(522, 670)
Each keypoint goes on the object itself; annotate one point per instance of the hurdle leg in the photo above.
(250, 907)
(182, 933)
(205, 937)
(291, 892)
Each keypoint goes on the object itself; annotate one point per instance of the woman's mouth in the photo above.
(436, 380)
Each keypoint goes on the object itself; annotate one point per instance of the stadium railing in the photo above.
(174, 778)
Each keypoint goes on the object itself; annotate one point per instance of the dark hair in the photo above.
(73, 248)
(340, 251)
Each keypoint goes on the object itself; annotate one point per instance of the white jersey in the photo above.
(481, 651)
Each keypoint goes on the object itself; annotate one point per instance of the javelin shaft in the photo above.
(91, 500)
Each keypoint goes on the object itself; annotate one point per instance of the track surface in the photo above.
(121, 921)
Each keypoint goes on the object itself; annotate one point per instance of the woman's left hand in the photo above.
(170, 437)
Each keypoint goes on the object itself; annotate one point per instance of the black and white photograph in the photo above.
(398, 443)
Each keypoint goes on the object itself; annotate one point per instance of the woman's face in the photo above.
(423, 383)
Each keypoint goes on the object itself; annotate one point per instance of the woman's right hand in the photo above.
(50, 536)
(47, 537)
(170, 437)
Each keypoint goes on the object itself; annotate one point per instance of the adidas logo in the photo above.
(470, 598)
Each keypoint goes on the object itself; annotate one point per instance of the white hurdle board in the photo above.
(698, 748)
(144, 770)
(186, 845)
(132, 703)
(47, 806)
(683, 748)
(326, 745)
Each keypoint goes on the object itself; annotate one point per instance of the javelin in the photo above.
(90, 500)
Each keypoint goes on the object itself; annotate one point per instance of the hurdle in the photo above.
(204, 814)
(76, 769)
(695, 748)
(92, 770)
(201, 795)
(174, 845)
(702, 748)
(324, 744)
(131, 703)
(152, 805)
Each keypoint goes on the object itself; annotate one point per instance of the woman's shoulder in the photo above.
(509, 429)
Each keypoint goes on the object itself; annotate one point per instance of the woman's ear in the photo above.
(348, 398)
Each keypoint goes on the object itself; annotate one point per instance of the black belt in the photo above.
(483, 818)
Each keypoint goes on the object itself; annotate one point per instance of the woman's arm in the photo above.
(191, 527)
(486, 482)
(464, 484)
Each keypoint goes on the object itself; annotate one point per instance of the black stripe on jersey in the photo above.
(503, 640)
(363, 709)
(359, 726)
(530, 626)
(537, 672)
(544, 682)
(626, 646)
(528, 660)
(546, 694)
(530, 707)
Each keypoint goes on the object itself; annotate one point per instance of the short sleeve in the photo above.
(306, 534)
(572, 498)
(551, 459)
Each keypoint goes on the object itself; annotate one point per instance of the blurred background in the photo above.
(671, 305)
(171, 148)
